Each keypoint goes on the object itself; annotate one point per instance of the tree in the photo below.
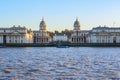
(56, 32)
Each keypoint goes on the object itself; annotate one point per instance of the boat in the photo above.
(62, 46)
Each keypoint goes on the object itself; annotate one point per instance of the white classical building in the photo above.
(104, 35)
(62, 38)
(42, 36)
(77, 35)
(16, 35)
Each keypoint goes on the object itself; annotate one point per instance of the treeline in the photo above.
(66, 32)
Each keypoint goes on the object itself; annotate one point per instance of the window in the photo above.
(103, 41)
(15, 41)
(97, 41)
(9, 41)
(10, 37)
(21, 41)
(37, 34)
(15, 37)
(4, 30)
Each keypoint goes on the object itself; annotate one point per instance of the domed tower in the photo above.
(42, 25)
(77, 25)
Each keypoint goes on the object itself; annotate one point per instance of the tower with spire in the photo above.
(42, 25)
(42, 36)
(77, 35)
(76, 25)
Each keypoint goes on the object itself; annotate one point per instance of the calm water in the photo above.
(83, 63)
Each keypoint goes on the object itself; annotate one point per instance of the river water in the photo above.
(51, 63)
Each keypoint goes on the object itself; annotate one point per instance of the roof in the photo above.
(104, 27)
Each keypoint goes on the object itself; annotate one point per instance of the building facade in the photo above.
(16, 35)
(104, 35)
(100, 34)
(62, 38)
(77, 35)
(42, 36)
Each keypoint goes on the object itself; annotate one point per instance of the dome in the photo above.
(76, 23)
(42, 23)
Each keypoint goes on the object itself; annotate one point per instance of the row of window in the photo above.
(106, 30)
(77, 39)
(41, 40)
(16, 41)
(102, 36)
(106, 37)
(103, 41)
(11, 30)
(16, 37)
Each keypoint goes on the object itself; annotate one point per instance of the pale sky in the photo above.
(59, 14)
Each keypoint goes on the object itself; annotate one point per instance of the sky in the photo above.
(60, 14)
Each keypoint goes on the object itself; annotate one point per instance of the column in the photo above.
(83, 40)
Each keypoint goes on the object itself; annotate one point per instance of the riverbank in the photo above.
(70, 45)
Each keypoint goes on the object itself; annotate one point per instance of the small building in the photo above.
(42, 36)
(61, 38)
(16, 35)
(104, 35)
